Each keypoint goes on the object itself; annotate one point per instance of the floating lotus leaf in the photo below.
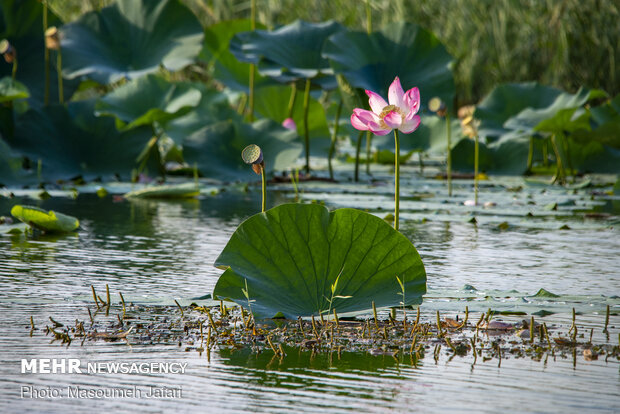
(11, 89)
(48, 221)
(21, 22)
(372, 61)
(272, 102)
(291, 255)
(129, 39)
(288, 53)
(225, 67)
(149, 99)
(70, 141)
(186, 190)
(216, 148)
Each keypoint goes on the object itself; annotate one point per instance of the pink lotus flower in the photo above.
(288, 123)
(399, 114)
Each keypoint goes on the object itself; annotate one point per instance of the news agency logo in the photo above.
(75, 366)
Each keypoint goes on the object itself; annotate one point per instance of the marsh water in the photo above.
(157, 251)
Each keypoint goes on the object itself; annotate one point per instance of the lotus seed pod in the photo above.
(8, 51)
(252, 154)
(52, 38)
(437, 105)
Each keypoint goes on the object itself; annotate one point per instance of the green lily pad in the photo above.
(292, 255)
(223, 65)
(11, 89)
(70, 141)
(186, 190)
(129, 39)
(288, 53)
(216, 148)
(48, 221)
(21, 22)
(149, 99)
(372, 61)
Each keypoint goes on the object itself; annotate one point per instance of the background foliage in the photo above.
(566, 44)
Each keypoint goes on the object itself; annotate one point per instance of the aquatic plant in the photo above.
(292, 255)
(253, 155)
(46, 221)
(438, 106)
(10, 55)
(289, 54)
(132, 38)
(399, 115)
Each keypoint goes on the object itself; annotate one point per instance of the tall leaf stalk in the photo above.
(396, 178)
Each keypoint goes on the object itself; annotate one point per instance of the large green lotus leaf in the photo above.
(517, 108)
(372, 61)
(291, 255)
(216, 148)
(185, 190)
(291, 52)
(225, 67)
(558, 116)
(48, 221)
(70, 141)
(272, 102)
(129, 39)
(12, 89)
(149, 99)
(606, 134)
(21, 22)
(213, 107)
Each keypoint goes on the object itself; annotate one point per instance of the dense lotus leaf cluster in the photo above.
(135, 63)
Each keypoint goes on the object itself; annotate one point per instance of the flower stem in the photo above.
(306, 129)
(476, 157)
(396, 178)
(252, 66)
(358, 147)
(46, 99)
(368, 142)
(332, 146)
(449, 158)
(291, 102)
(61, 98)
(264, 185)
(530, 155)
(368, 17)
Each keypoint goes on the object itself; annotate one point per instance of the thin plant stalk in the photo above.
(252, 66)
(476, 161)
(396, 178)
(358, 147)
(530, 155)
(61, 98)
(306, 129)
(560, 173)
(368, 135)
(291, 102)
(264, 187)
(449, 157)
(332, 146)
(46, 58)
(566, 147)
(368, 143)
(368, 17)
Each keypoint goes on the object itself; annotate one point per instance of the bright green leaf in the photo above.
(291, 254)
(48, 221)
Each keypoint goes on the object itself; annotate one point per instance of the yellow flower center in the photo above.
(386, 110)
